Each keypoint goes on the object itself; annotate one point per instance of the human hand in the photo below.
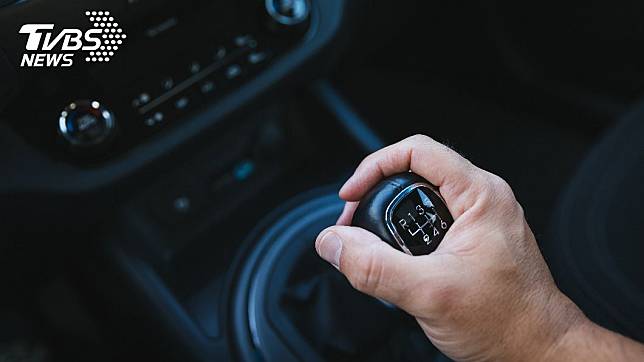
(486, 292)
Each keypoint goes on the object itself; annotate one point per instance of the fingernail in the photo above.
(330, 248)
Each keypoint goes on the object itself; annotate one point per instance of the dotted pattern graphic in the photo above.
(112, 36)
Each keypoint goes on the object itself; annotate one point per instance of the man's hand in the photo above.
(486, 292)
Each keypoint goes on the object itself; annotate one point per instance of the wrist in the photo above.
(588, 341)
(575, 327)
(549, 320)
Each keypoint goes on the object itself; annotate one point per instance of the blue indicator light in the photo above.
(243, 170)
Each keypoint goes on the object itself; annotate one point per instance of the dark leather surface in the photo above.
(304, 309)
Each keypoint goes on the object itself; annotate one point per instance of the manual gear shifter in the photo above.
(407, 212)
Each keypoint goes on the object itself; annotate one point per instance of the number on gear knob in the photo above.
(407, 212)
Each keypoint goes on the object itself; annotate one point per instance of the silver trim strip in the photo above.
(192, 80)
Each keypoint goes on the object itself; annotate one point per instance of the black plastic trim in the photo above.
(24, 166)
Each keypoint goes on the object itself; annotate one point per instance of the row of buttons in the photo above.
(225, 65)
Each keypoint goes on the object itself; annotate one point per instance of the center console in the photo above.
(289, 305)
(183, 248)
(170, 162)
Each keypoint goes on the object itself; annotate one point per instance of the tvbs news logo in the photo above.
(47, 47)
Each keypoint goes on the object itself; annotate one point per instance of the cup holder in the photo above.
(289, 305)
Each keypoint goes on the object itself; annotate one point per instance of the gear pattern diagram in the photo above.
(112, 36)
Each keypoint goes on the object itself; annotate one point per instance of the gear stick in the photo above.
(407, 212)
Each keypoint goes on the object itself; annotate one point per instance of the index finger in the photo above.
(437, 163)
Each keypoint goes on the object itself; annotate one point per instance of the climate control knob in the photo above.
(288, 13)
(86, 124)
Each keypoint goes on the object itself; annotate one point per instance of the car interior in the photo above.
(162, 203)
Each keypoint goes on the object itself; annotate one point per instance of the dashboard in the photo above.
(146, 78)
(158, 133)
(170, 78)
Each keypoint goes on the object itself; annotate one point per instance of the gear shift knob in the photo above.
(407, 212)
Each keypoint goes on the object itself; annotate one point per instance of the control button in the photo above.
(220, 53)
(181, 204)
(156, 118)
(195, 67)
(207, 87)
(244, 170)
(167, 83)
(257, 57)
(245, 40)
(142, 99)
(86, 123)
(181, 103)
(241, 172)
(177, 204)
(233, 71)
(288, 12)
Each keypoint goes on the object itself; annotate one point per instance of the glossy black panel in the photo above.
(404, 211)
(417, 221)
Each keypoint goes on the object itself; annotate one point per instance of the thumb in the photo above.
(371, 265)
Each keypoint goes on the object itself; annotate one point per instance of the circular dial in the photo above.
(86, 124)
(288, 12)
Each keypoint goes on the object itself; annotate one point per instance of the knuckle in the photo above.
(419, 137)
(498, 183)
(520, 213)
(501, 190)
(418, 140)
